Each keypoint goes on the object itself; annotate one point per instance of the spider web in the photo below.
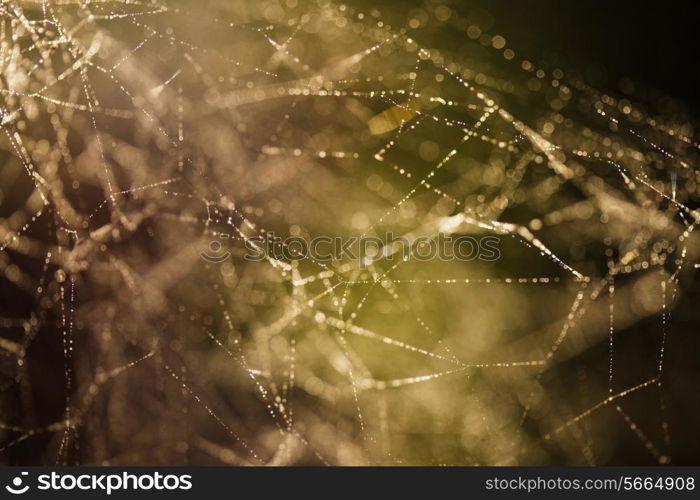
(137, 132)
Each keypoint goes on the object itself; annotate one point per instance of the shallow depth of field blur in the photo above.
(137, 135)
